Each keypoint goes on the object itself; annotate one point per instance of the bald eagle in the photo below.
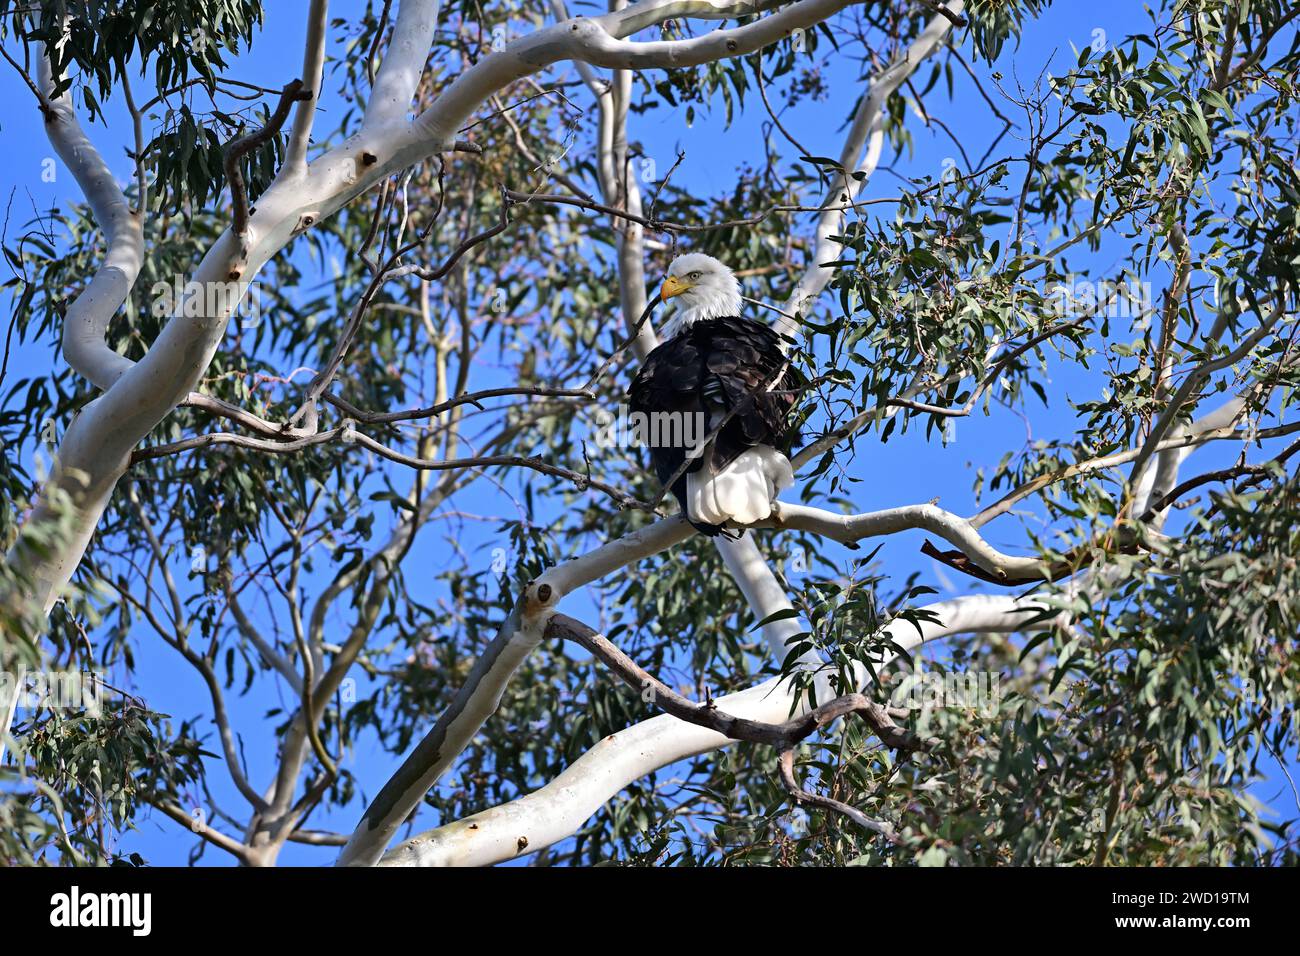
(731, 374)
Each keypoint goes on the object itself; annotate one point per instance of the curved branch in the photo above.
(218, 839)
(236, 150)
(867, 132)
(85, 323)
(599, 41)
(849, 529)
(785, 736)
(561, 807)
(1193, 382)
(479, 696)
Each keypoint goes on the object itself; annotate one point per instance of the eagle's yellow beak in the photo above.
(672, 286)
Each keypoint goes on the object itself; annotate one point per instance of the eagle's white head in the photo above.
(704, 288)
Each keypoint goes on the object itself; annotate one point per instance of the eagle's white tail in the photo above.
(743, 491)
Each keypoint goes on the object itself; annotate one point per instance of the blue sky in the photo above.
(907, 470)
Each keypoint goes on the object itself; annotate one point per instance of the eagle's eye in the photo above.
(694, 276)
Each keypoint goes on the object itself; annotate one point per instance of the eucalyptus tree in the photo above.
(281, 357)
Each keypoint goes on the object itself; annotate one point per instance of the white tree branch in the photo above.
(868, 131)
(313, 66)
(480, 695)
(764, 594)
(86, 322)
(399, 74)
(559, 809)
(619, 189)
(600, 42)
(954, 529)
(1141, 477)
